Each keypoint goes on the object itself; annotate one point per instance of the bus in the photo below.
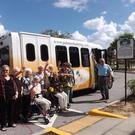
(23, 49)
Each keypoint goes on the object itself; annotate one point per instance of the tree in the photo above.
(127, 35)
(113, 45)
(55, 33)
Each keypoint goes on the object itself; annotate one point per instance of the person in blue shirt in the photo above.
(104, 76)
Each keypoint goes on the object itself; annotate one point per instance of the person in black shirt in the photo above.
(8, 94)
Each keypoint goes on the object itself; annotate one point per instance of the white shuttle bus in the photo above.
(22, 49)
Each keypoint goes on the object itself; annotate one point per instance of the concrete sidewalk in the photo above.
(111, 126)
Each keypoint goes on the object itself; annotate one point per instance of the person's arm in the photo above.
(94, 60)
(20, 72)
(109, 72)
(15, 88)
(59, 65)
(66, 74)
(32, 91)
(46, 64)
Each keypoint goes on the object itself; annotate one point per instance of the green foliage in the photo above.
(131, 86)
(128, 35)
(55, 33)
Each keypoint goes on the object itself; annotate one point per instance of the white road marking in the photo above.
(78, 111)
(52, 120)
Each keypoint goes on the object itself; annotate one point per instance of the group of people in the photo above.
(19, 87)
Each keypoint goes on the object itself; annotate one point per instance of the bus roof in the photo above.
(63, 41)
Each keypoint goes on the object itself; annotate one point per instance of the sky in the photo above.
(98, 21)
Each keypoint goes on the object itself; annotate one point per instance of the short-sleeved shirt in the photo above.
(41, 77)
(26, 83)
(103, 70)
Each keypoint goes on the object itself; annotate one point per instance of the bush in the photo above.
(131, 86)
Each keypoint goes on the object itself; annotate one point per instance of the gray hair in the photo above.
(5, 66)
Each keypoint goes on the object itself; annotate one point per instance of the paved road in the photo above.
(81, 105)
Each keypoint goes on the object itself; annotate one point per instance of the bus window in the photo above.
(44, 52)
(61, 54)
(85, 57)
(30, 52)
(74, 56)
(4, 56)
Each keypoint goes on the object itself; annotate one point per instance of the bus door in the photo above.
(98, 53)
(85, 59)
(29, 51)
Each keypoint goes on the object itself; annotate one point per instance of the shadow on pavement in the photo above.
(133, 133)
(90, 101)
(71, 113)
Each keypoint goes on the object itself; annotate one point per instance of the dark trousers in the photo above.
(103, 86)
(70, 95)
(7, 111)
(26, 99)
(69, 92)
(18, 108)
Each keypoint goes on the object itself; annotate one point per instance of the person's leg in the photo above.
(18, 109)
(65, 97)
(11, 112)
(44, 103)
(23, 105)
(71, 95)
(101, 86)
(61, 100)
(67, 91)
(106, 89)
(3, 114)
(26, 106)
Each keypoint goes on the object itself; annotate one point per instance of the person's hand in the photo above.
(59, 63)
(110, 80)
(15, 97)
(44, 90)
(61, 74)
(93, 56)
(22, 69)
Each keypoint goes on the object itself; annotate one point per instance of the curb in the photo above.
(57, 131)
(97, 112)
(122, 71)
